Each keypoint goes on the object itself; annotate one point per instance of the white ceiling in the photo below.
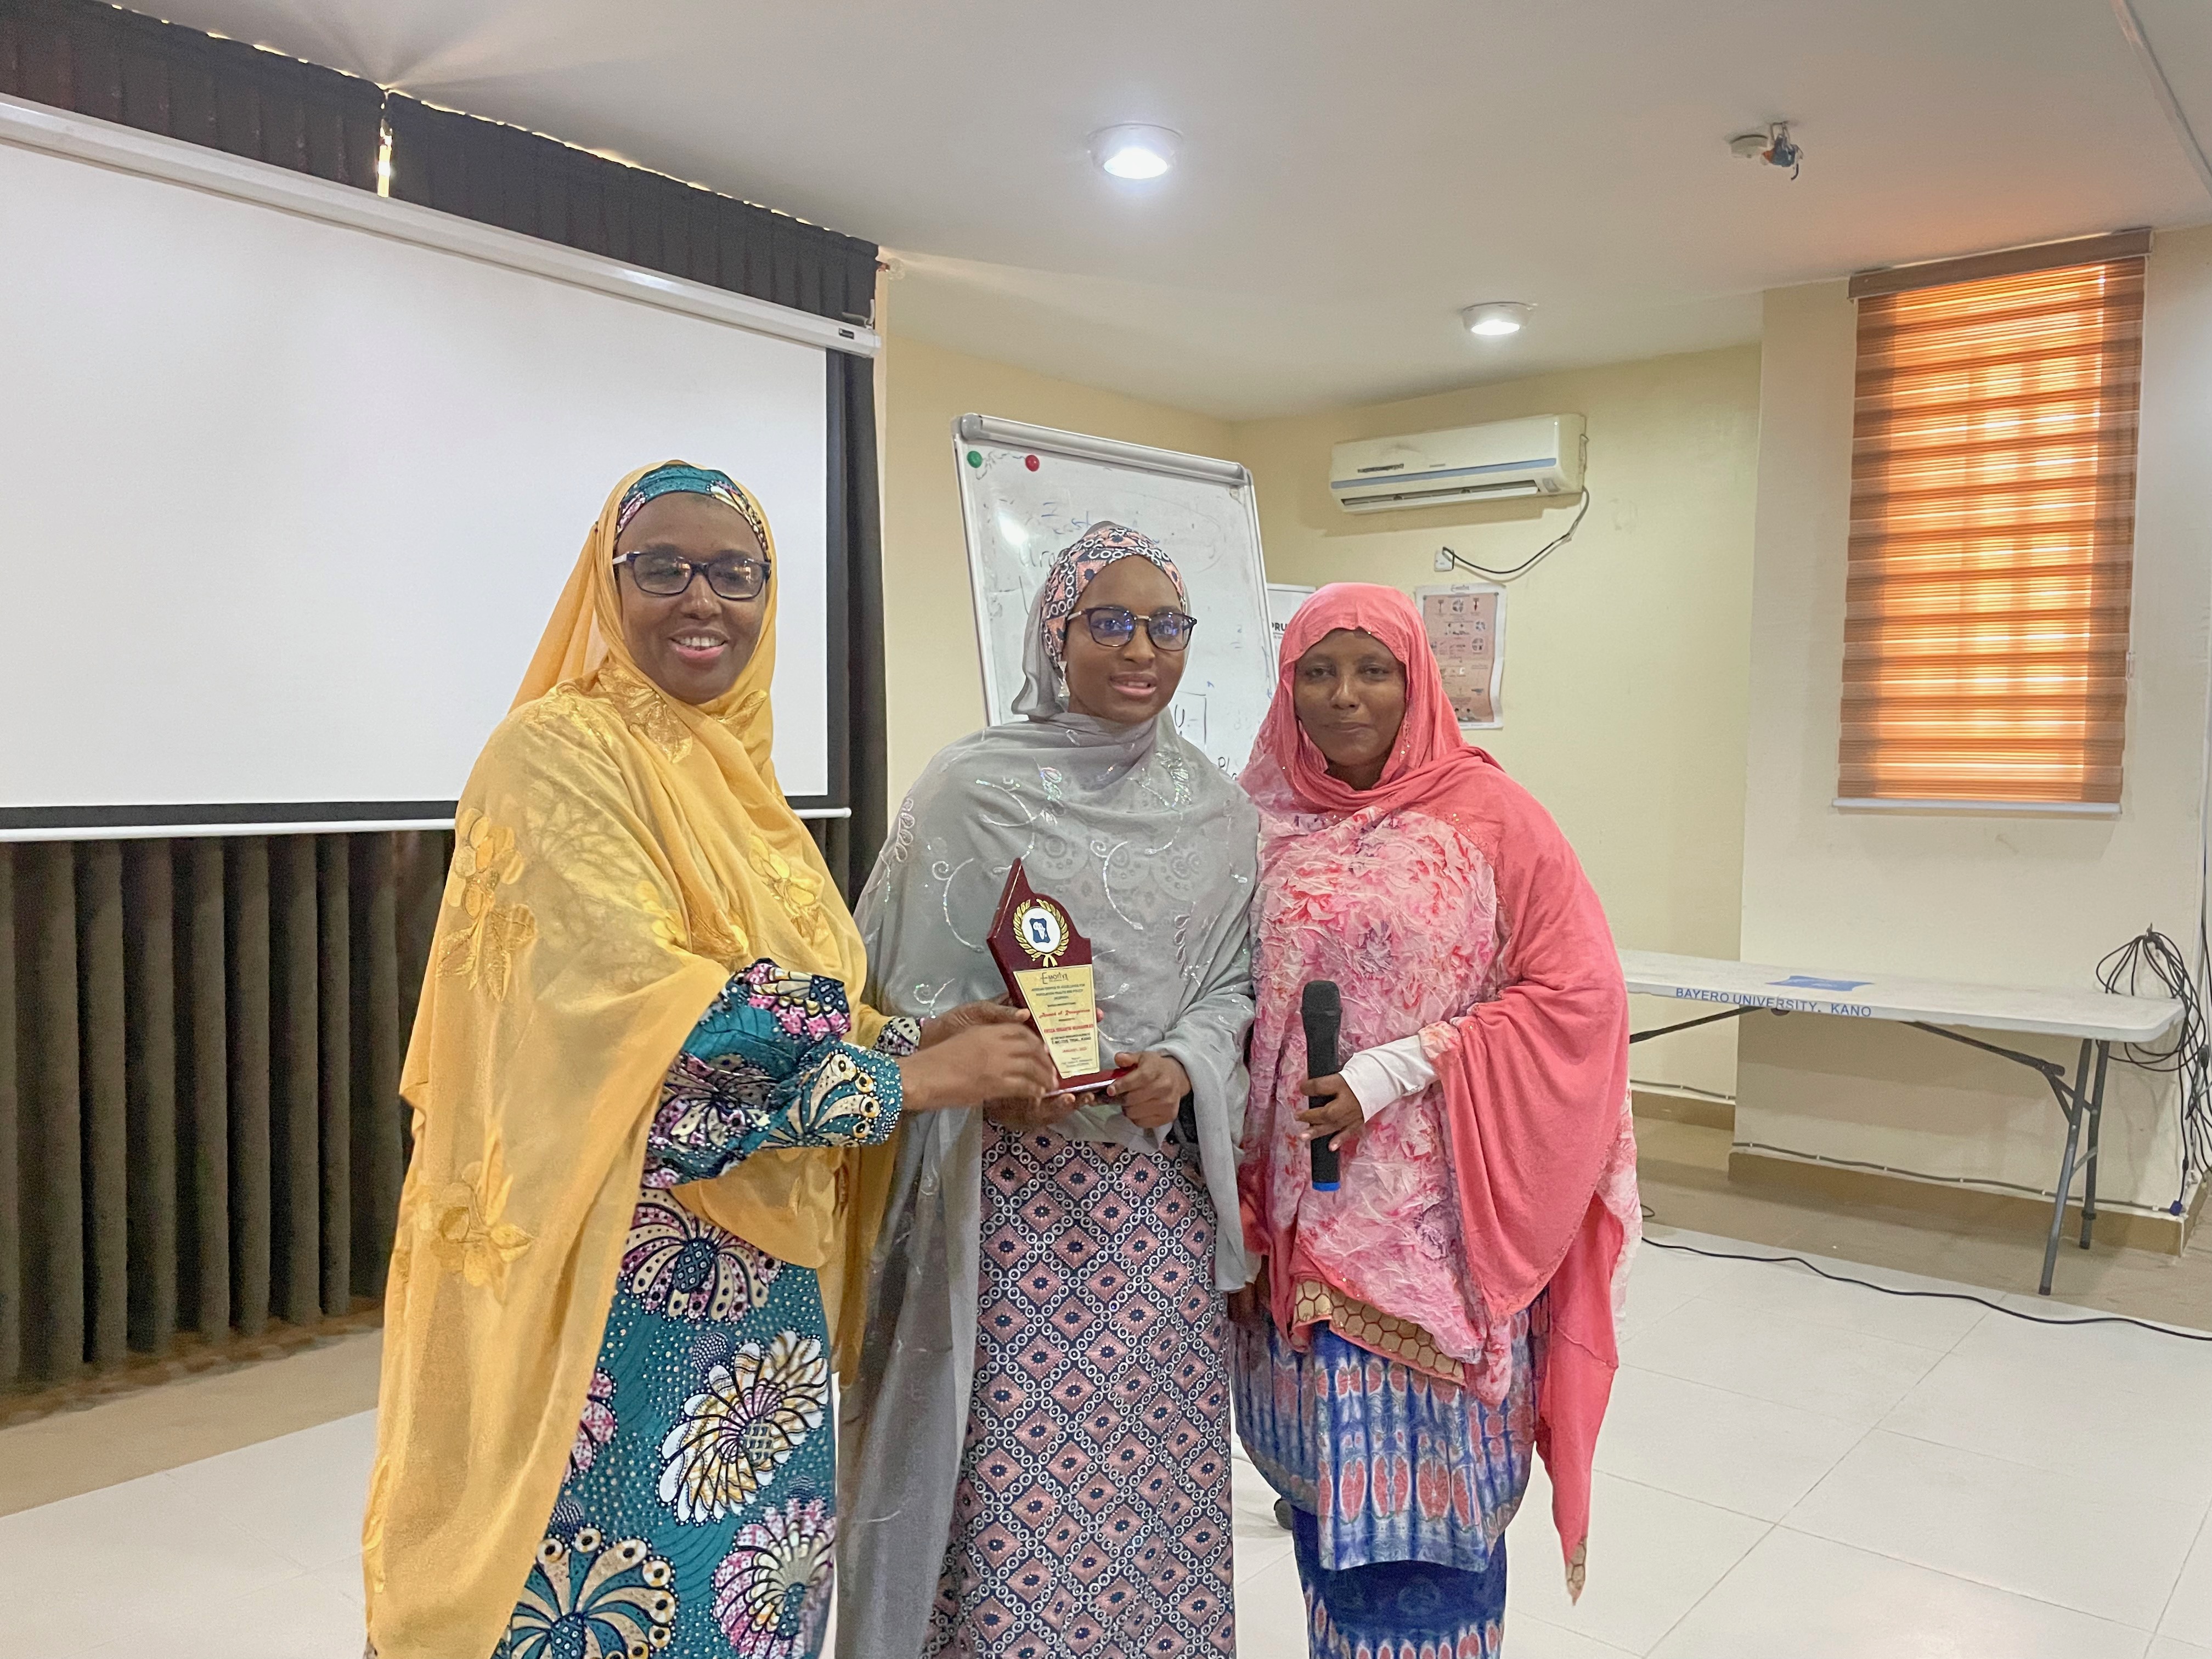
(1350, 174)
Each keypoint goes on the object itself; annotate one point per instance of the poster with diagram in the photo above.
(1465, 626)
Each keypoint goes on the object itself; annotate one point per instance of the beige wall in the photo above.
(2017, 900)
(1626, 651)
(933, 675)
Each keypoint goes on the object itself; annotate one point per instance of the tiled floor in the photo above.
(1791, 1469)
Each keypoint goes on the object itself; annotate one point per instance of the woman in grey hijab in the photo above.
(1037, 1453)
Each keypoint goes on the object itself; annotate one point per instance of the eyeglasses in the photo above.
(665, 574)
(1116, 625)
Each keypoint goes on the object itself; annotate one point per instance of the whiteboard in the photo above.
(1020, 516)
(291, 498)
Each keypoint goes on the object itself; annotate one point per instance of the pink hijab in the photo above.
(1444, 901)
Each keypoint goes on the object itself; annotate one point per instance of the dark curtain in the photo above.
(200, 1121)
(502, 175)
(94, 60)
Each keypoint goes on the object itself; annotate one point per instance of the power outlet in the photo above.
(1444, 558)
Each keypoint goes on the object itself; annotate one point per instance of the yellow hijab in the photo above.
(618, 854)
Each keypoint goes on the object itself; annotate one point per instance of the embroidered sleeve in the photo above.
(900, 1036)
(767, 1066)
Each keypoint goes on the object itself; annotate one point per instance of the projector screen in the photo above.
(290, 489)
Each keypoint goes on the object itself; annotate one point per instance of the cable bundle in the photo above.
(2151, 965)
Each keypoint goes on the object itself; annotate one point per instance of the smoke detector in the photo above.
(1773, 145)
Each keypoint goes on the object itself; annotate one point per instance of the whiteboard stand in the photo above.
(1028, 491)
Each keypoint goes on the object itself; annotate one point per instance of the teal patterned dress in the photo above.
(699, 1511)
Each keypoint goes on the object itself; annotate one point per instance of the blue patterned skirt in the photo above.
(699, 1511)
(1400, 1486)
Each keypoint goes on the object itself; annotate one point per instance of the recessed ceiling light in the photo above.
(1494, 317)
(1134, 151)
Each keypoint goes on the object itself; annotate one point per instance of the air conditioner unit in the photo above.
(1540, 455)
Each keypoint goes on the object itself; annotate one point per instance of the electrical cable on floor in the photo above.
(1932, 1296)
(1532, 560)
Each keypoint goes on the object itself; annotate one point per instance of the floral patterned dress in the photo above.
(698, 1514)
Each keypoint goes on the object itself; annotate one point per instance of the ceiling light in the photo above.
(1134, 151)
(1494, 317)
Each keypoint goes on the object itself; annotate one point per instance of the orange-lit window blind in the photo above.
(1993, 484)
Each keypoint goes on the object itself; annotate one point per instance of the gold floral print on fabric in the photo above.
(481, 949)
(713, 938)
(644, 710)
(1371, 1328)
(464, 1225)
(740, 715)
(798, 888)
(564, 702)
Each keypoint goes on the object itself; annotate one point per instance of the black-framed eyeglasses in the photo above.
(1116, 625)
(665, 574)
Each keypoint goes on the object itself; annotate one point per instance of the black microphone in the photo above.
(1323, 1010)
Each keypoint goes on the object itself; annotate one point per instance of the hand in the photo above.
(1336, 1115)
(968, 1015)
(993, 1061)
(1151, 1092)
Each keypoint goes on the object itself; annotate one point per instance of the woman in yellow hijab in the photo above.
(640, 1078)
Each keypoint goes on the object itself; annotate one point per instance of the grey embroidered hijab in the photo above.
(1153, 851)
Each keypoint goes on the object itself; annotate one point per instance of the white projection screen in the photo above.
(292, 476)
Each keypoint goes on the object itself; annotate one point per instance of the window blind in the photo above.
(1993, 461)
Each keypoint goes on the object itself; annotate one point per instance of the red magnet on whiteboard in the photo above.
(1031, 462)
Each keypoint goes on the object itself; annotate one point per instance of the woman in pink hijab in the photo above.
(1416, 1334)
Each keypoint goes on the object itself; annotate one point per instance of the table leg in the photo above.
(2096, 1122)
(2076, 1109)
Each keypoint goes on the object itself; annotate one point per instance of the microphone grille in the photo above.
(1320, 998)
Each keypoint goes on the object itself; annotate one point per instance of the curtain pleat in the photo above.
(150, 1081)
(104, 1105)
(246, 919)
(377, 1033)
(52, 1141)
(334, 1068)
(200, 1123)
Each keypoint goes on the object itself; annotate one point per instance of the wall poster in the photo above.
(1465, 626)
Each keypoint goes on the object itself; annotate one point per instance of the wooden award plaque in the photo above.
(1046, 962)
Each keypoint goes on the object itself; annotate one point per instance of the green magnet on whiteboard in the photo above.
(974, 457)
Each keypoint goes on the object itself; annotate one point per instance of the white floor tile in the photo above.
(2112, 1553)
(89, 1569)
(1756, 1351)
(1271, 1614)
(1751, 1456)
(1927, 1320)
(2102, 1403)
(1807, 1598)
(345, 1578)
(2167, 1647)
(1651, 1556)
(1660, 1282)
(2188, 1614)
(301, 1494)
(1258, 1541)
(301, 1618)
(1532, 1638)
